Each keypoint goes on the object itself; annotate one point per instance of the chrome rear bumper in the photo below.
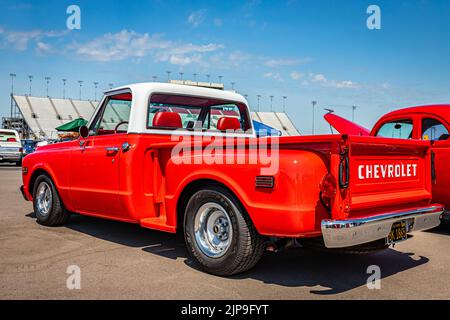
(347, 233)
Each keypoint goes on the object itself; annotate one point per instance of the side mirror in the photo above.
(84, 132)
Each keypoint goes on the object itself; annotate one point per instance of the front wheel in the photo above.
(219, 234)
(47, 204)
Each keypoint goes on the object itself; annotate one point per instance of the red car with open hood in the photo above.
(429, 123)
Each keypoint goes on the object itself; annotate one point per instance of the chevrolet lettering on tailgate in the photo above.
(383, 171)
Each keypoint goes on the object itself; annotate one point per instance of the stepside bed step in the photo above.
(157, 223)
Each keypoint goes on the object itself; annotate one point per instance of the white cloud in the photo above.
(130, 44)
(323, 81)
(43, 48)
(236, 58)
(320, 78)
(21, 40)
(118, 46)
(346, 84)
(218, 22)
(196, 17)
(295, 75)
(273, 75)
(272, 63)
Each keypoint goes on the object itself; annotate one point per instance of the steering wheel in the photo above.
(119, 124)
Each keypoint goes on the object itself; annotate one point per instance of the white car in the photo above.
(10, 147)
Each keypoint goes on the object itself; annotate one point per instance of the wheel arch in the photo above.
(36, 173)
(195, 185)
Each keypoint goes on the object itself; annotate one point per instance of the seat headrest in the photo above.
(228, 123)
(167, 120)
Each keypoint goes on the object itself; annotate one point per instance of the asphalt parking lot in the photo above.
(123, 261)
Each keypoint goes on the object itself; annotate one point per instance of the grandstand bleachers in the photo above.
(43, 115)
(277, 120)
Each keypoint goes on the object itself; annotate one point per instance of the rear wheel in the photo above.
(47, 204)
(219, 234)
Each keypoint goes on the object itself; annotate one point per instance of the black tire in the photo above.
(246, 246)
(57, 214)
(317, 244)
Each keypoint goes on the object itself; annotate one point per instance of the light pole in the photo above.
(12, 75)
(195, 77)
(220, 79)
(207, 77)
(232, 85)
(154, 78)
(47, 80)
(168, 75)
(95, 90)
(181, 76)
(111, 85)
(284, 104)
(81, 84)
(271, 103)
(259, 97)
(64, 88)
(314, 108)
(353, 113)
(30, 77)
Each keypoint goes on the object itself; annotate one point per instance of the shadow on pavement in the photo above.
(290, 268)
(132, 235)
(336, 273)
(443, 229)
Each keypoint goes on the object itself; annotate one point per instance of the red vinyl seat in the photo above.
(167, 120)
(228, 123)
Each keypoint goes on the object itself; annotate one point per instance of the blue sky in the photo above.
(307, 50)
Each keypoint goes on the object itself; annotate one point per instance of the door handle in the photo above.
(112, 149)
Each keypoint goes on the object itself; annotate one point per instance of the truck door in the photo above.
(436, 130)
(95, 163)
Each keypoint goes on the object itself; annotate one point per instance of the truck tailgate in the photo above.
(376, 173)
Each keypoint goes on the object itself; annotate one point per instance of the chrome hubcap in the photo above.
(44, 199)
(213, 230)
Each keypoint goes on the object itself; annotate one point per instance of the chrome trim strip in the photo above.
(347, 233)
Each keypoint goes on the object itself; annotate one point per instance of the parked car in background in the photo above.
(10, 147)
(28, 146)
(187, 158)
(430, 122)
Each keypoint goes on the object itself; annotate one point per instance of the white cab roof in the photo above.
(148, 87)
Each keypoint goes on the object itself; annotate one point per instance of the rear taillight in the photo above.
(328, 190)
(344, 170)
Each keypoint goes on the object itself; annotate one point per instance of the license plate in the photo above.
(398, 232)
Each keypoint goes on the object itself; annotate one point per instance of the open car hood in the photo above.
(344, 126)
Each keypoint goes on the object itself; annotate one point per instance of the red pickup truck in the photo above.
(175, 157)
(430, 123)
